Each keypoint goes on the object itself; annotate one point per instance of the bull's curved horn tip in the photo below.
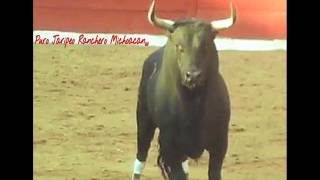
(158, 22)
(234, 12)
(151, 12)
(223, 24)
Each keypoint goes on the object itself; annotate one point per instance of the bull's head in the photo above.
(192, 41)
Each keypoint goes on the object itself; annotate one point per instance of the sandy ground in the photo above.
(84, 114)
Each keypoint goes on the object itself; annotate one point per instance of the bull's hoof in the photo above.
(136, 177)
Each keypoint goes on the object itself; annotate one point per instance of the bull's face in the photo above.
(193, 51)
(192, 43)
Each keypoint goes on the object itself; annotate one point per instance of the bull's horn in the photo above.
(158, 22)
(225, 23)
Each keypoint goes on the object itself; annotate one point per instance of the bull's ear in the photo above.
(214, 34)
(168, 34)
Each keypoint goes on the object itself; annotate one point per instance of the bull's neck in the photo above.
(169, 72)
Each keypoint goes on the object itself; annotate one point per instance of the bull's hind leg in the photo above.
(146, 130)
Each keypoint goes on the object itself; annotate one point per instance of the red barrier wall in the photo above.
(256, 19)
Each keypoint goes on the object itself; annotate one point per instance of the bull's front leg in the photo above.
(215, 167)
(145, 135)
(146, 129)
(217, 154)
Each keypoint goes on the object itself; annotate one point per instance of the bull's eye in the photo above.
(179, 48)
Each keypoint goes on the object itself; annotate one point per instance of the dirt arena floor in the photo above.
(84, 114)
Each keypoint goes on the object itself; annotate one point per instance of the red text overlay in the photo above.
(85, 40)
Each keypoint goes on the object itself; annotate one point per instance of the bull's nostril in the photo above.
(188, 74)
(198, 75)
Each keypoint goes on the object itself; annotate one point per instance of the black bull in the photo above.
(183, 94)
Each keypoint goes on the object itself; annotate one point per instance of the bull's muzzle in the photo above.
(192, 79)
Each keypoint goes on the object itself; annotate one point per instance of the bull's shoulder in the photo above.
(219, 95)
(153, 59)
(151, 64)
(149, 67)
